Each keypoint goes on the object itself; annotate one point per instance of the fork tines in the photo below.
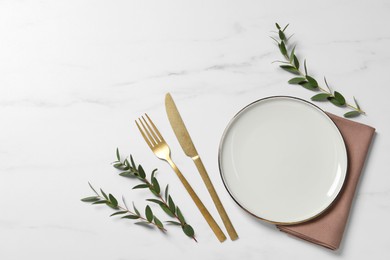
(149, 131)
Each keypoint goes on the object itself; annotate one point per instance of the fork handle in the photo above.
(206, 214)
(218, 204)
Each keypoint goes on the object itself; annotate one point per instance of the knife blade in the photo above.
(189, 149)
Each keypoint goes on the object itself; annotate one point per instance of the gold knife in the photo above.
(189, 149)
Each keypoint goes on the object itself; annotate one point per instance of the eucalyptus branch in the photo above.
(291, 64)
(130, 169)
(112, 202)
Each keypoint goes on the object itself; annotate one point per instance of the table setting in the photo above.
(138, 130)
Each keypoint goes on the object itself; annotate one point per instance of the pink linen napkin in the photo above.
(327, 229)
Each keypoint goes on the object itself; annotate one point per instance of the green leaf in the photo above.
(140, 186)
(296, 62)
(118, 155)
(339, 98)
(156, 185)
(334, 101)
(180, 215)
(131, 217)
(90, 185)
(156, 201)
(118, 213)
(282, 48)
(173, 223)
(90, 199)
(126, 174)
(326, 83)
(304, 65)
(158, 222)
(290, 69)
(100, 202)
(292, 55)
(166, 192)
(136, 210)
(281, 35)
(312, 81)
(141, 172)
(188, 230)
(113, 200)
(171, 204)
(167, 210)
(320, 97)
(277, 26)
(351, 114)
(285, 27)
(148, 213)
(104, 194)
(356, 103)
(307, 85)
(153, 173)
(132, 162)
(297, 80)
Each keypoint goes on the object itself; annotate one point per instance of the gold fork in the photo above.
(161, 149)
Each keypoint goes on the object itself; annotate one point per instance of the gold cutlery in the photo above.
(161, 149)
(189, 149)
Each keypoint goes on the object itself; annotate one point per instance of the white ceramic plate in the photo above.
(283, 160)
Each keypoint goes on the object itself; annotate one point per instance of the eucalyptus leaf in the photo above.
(173, 223)
(127, 174)
(118, 155)
(131, 217)
(308, 86)
(277, 26)
(158, 222)
(104, 194)
(90, 199)
(118, 213)
(282, 48)
(312, 81)
(148, 213)
(188, 230)
(167, 210)
(334, 101)
(90, 185)
(132, 162)
(141, 186)
(141, 172)
(296, 62)
(292, 55)
(156, 185)
(159, 202)
(180, 215)
(290, 69)
(356, 103)
(166, 192)
(281, 35)
(113, 200)
(100, 202)
(297, 80)
(320, 97)
(171, 204)
(340, 98)
(136, 210)
(352, 114)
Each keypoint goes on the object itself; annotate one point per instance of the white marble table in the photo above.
(75, 74)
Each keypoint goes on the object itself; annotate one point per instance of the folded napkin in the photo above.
(327, 229)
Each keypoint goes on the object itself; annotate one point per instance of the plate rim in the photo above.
(262, 218)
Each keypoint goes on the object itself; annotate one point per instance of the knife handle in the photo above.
(218, 204)
(206, 214)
